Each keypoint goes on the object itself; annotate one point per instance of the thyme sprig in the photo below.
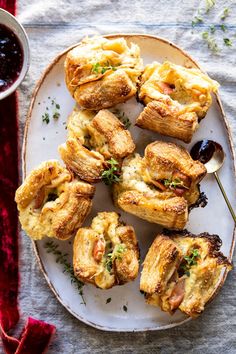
(115, 254)
(97, 68)
(56, 114)
(190, 261)
(112, 173)
(208, 35)
(61, 258)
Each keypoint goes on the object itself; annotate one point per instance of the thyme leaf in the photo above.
(174, 183)
(112, 173)
(211, 42)
(209, 5)
(122, 117)
(45, 118)
(61, 258)
(55, 107)
(95, 68)
(223, 28)
(212, 29)
(225, 14)
(56, 115)
(55, 112)
(227, 42)
(196, 20)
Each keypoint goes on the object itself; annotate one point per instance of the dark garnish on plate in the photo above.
(55, 112)
(201, 202)
(125, 308)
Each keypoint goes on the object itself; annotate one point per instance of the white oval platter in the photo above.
(40, 143)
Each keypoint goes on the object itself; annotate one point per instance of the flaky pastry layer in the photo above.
(106, 253)
(51, 202)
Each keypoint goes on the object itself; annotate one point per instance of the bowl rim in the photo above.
(25, 49)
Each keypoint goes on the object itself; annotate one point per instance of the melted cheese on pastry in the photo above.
(182, 272)
(160, 186)
(94, 138)
(52, 203)
(102, 72)
(106, 253)
(176, 98)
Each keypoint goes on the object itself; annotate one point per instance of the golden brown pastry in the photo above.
(160, 187)
(93, 138)
(106, 253)
(176, 99)
(51, 202)
(101, 72)
(182, 271)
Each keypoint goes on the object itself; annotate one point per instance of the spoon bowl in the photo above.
(216, 161)
(212, 155)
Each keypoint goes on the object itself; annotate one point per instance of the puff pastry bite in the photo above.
(101, 72)
(161, 186)
(51, 202)
(182, 271)
(93, 138)
(106, 253)
(176, 99)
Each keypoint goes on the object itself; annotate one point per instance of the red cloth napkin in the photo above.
(36, 334)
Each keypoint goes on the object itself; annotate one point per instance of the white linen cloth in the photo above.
(52, 26)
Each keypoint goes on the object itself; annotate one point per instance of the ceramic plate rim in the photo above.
(28, 118)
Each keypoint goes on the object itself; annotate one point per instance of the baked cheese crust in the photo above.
(176, 99)
(52, 203)
(92, 139)
(101, 72)
(106, 253)
(161, 186)
(182, 270)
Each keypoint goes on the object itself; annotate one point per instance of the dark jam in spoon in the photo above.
(203, 150)
(11, 58)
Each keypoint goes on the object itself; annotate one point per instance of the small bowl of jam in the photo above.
(14, 53)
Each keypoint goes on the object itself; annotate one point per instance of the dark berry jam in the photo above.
(11, 58)
(203, 150)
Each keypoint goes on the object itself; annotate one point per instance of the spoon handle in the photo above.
(225, 196)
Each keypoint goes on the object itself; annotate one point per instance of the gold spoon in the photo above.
(212, 155)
